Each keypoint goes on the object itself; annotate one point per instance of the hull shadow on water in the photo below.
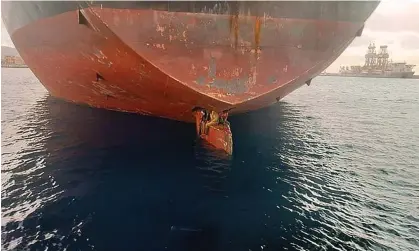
(106, 180)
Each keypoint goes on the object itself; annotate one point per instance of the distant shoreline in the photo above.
(355, 76)
(14, 66)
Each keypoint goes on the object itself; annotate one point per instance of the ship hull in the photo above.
(165, 63)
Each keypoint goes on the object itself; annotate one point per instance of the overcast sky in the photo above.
(395, 23)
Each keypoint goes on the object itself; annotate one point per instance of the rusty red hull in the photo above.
(164, 63)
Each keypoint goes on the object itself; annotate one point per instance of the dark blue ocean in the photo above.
(333, 166)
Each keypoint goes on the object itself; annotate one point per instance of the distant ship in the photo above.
(165, 59)
(378, 65)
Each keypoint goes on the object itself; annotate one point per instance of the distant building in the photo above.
(9, 59)
(12, 61)
(19, 61)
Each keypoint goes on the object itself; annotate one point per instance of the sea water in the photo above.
(332, 166)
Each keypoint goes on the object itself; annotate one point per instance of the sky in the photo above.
(394, 23)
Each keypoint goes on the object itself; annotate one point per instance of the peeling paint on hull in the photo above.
(164, 64)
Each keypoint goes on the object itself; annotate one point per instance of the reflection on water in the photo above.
(76, 178)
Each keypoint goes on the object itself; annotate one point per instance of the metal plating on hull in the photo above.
(164, 60)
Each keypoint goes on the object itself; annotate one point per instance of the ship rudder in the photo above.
(214, 130)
